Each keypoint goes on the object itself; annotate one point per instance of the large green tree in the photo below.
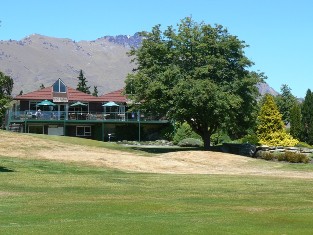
(307, 118)
(82, 83)
(6, 87)
(285, 101)
(197, 74)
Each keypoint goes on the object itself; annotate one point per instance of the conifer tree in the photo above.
(82, 83)
(285, 101)
(95, 91)
(307, 118)
(295, 121)
(271, 129)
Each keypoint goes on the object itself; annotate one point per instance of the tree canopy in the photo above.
(196, 74)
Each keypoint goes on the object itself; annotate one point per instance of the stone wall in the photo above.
(250, 150)
(302, 150)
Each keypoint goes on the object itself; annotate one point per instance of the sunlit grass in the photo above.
(42, 197)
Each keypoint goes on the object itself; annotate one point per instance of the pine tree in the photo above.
(307, 118)
(82, 83)
(285, 101)
(295, 121)
(95, 91)
(271, 129)
(42, 86)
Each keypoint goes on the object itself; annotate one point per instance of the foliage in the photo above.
(287, 156)
(168, 132)
(304, 145)
(270, 129)
(95, 91)
(82, 83)
(307, 118)
(42, 86)
(266, 155)
(6, 87)
(220, 137)
(196, 74)
(184, 131)
(190, 142)
(295, 121)
(295, 157)
(250, 138)
(285, 101)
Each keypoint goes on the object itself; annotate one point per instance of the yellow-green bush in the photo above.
(279, 139)
(270, 129)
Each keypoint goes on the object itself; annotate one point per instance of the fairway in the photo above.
(41, 196)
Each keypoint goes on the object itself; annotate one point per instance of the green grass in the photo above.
(43, 197)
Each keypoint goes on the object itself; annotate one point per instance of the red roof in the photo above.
(42, 94)
(116, 96)
(73, 95)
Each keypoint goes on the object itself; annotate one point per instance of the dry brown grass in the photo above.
(186, 162)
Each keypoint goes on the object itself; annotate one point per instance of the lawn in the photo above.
(46, 197)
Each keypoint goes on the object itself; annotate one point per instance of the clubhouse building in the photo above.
(62, 110)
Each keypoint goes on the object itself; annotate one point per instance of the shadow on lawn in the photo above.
(4, 169)
(164, 149)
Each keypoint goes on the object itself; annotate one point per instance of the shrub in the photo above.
(167, 133)
(184, 131)
(296, 157)
(279, 139)
(287, 156)
(265, 155)
(251, 139)
(220, 137)
(304, 145)
(190, 142)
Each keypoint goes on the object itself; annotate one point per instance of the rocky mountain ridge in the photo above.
(39, 59)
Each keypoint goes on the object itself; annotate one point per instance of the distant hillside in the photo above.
(264, 88)
(39, 59)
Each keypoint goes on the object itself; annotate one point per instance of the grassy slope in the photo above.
(42, 197)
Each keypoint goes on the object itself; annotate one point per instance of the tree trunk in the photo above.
(206, 137)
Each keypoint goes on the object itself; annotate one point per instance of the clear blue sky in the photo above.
(279, 32)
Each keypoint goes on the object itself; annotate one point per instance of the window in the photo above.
(59, 86)
(36, 129)
(83, 131)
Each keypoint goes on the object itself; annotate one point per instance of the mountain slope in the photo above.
(39, 59)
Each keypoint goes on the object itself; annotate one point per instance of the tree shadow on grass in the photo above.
(4, 169)
(165, 149)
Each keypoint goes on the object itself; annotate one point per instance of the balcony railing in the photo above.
(62, 115)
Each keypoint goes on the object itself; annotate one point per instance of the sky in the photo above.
(279, 32)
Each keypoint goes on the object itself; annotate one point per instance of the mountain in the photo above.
(39, 59)
(264, 88)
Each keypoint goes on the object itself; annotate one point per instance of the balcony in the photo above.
(47, 116)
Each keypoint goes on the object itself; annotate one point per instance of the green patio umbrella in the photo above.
(110, 104)
(45, 103)
(78, 103)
